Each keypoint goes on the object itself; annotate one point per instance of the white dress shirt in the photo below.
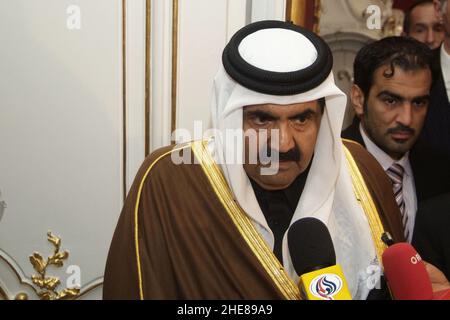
(445, 69)
(409, 189)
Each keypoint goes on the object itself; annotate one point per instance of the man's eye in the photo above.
(420, 103)
(390, 101)
(301, 120)
(262, 120)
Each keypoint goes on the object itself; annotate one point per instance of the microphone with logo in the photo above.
(407, 275)
(314, 260)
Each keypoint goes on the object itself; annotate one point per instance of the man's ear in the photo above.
(357, 97)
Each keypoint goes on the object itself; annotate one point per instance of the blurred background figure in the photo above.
(423, 23)
(436, 130)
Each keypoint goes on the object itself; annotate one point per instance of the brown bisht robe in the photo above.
(181, 236)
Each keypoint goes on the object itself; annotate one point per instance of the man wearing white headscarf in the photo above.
(215, 226)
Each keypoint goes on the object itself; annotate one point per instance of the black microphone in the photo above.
(314, 259)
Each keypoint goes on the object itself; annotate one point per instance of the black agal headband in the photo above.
(277, 83)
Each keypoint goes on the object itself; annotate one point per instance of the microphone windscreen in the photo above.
(310, 245)
(406, 273)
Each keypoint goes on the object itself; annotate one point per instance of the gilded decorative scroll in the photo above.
(47, 284)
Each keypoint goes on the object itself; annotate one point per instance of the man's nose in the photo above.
(405, 115)
(430, 38)
(286, 138)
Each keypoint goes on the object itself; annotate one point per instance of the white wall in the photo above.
(200, 52)
(135, 86)
(60, 132)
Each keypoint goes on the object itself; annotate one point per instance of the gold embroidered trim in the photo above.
(365, 199)
(136, 220)
(251, 236)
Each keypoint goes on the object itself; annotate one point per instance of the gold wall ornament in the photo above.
(317, 16)
(296, 12)
(21, 296)
(48, 284)
(305, 13)
(393, 25)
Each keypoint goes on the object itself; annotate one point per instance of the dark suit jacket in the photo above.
(430, 166)
(436, 130)
(431, 236)
(432, 232)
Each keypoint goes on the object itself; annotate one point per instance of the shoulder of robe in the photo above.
(167, 156)
(380, 188)
(365, 160)
(160, 165)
